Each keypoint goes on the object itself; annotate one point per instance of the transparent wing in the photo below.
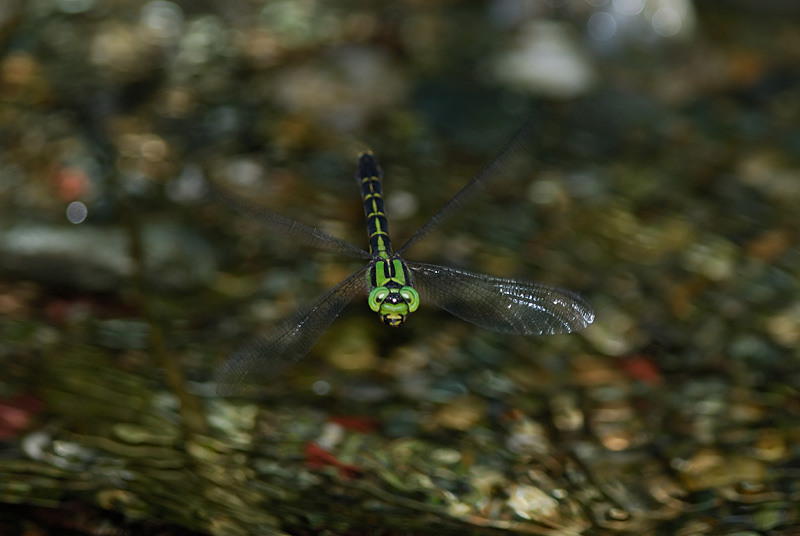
(502, 305)
(514, 151)
(289, 228)
(267, 354)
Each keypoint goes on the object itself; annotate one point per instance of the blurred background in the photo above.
(663, 186)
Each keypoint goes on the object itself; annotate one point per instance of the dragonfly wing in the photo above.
(289, 228)
(515, 152)
(267, 354)
(502, 305)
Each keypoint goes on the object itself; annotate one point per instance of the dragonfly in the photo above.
(395, 287)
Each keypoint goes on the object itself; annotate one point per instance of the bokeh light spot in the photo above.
(602, 26)
(667, 22)
(77, 212)
(321, 387)
(164, 20)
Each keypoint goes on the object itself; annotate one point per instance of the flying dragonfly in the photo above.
(395, 287)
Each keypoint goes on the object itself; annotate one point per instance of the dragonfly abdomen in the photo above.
(369, 178)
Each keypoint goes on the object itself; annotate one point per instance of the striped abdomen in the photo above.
(369, 177)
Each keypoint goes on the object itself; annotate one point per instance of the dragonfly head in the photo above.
(393, 304)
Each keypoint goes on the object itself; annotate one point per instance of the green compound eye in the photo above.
(376, 297)
(411, 297)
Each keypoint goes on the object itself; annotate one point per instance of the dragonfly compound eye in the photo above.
(409, 294)
(376, 297)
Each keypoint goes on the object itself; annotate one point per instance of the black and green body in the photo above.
(391, 293)
(395, 287)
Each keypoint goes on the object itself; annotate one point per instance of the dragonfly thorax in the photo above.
(391, 294)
